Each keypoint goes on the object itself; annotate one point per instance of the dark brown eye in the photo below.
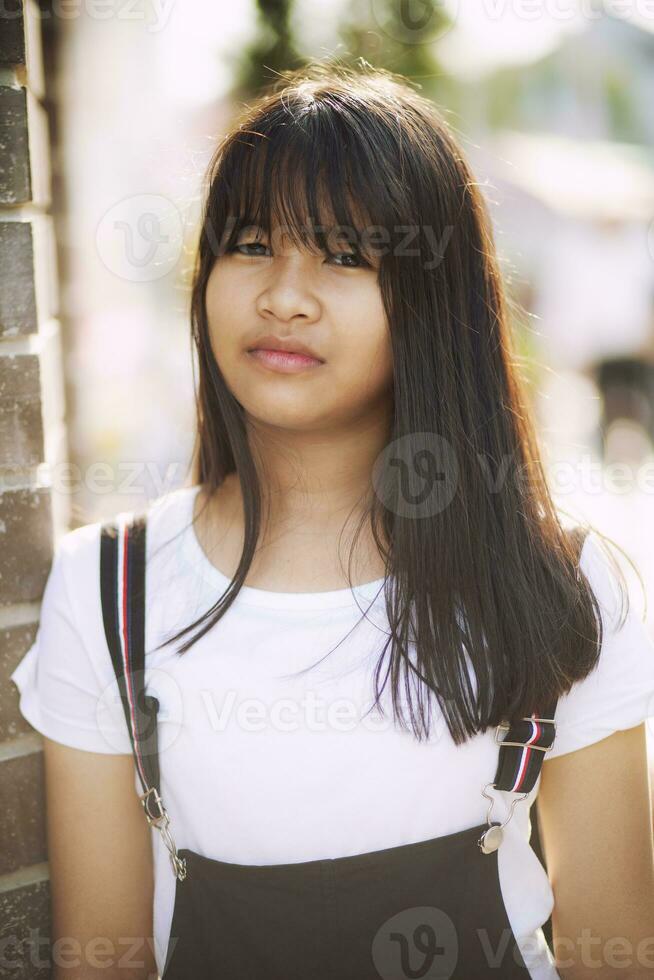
(247, 245)
(350, 255)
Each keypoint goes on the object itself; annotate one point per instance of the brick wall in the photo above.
(32, 445)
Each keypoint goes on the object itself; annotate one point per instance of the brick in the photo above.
(45, 267)
(34, 47)
(21, 425)
(28, 300)
(25, 928)
(26, 552)
(12, 33)
(15, 180)
(22, 815)
(15, 641)
(39, 152)
(17, 286)
(52, 376)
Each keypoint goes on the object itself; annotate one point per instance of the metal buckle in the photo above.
(159, 818)
(491, 839)
(522, 745)
(161, 821)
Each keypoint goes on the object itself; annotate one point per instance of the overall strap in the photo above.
(122, 589)
(523, 747)
(521, 755)
(122, 581)
(522, 750)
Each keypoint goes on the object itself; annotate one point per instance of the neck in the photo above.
(317, 477)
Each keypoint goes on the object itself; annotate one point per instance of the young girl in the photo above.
(373, 590)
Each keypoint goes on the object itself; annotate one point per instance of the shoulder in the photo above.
(618, 693)
(600, 565)
(77, 550)
(171, 509)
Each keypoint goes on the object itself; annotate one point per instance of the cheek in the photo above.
(365, 356)
(381, 369)
(226, 313)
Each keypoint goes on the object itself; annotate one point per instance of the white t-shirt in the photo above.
(261, 764)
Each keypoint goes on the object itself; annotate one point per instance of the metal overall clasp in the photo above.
(491, 839)
(157, 816)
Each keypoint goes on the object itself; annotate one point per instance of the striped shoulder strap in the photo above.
(527, 740)
(523, 747)
(521, 755)
(122, 589)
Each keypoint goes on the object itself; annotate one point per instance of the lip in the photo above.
(289, 345)
(284, 362)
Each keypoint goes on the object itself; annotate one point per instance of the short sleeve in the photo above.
(619, 692)
(66, 681)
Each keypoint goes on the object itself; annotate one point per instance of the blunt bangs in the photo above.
(305, 175)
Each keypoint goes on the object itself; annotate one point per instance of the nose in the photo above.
(288, 293)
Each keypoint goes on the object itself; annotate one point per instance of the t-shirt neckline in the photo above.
(249, 595)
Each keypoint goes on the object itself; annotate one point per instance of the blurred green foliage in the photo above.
(373, 31)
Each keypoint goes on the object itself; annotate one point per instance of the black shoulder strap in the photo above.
(526, 741)
(522, 750)
(122, 589)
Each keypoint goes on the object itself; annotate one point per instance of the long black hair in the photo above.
(485, 575)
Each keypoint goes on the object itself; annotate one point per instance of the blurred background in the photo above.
(552, 107)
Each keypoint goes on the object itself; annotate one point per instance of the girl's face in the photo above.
(330, 303)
